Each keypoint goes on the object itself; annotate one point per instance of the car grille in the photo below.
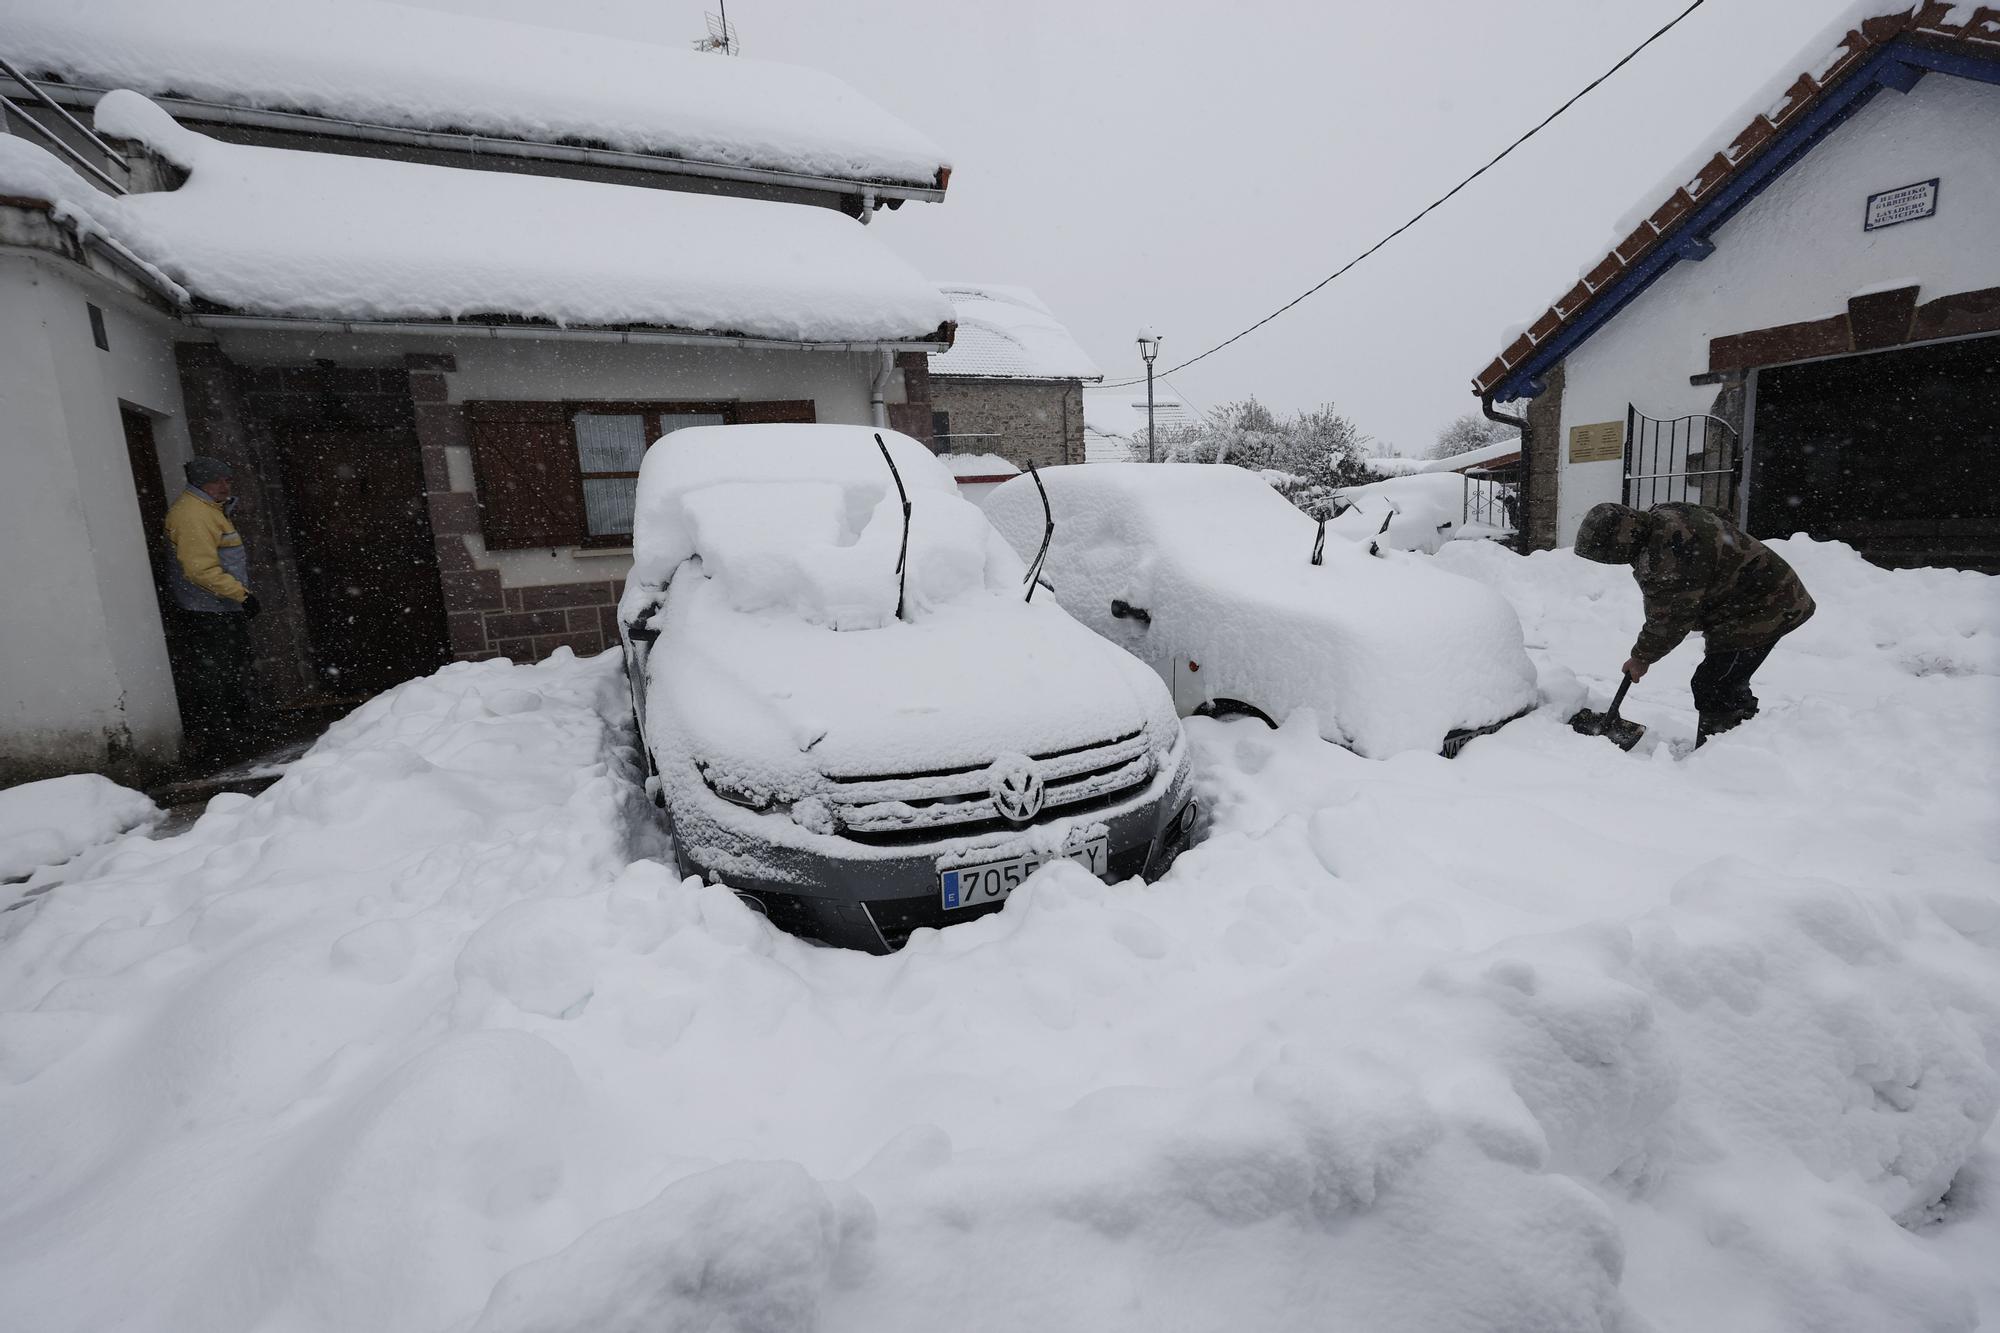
(887, 810)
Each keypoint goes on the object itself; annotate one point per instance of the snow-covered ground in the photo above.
(46, 823)
(1548, 1037)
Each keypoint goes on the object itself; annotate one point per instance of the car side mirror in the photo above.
(1124, 610)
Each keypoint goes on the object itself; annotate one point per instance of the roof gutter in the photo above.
(444, 328)
(189, 108)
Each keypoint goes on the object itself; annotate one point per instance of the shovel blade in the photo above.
(1619, 731)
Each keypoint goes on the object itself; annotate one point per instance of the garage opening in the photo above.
(1896, 453)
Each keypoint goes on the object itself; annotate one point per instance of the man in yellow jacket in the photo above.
(210, 577)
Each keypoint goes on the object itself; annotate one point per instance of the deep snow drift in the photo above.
(46, 823)
(1547, 1037)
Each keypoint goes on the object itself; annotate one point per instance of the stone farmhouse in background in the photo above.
(1012, 383)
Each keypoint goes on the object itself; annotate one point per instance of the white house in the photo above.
(1804, 332)
(431, 283)
(1114, 421)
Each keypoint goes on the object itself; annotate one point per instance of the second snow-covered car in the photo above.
(1227, 590)
(854, 714)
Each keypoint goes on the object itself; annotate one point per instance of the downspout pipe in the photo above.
(1520, 423)
(878, 390)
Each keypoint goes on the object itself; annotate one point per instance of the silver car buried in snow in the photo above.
(860, 753)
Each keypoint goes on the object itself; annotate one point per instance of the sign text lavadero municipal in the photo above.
(1906, 203)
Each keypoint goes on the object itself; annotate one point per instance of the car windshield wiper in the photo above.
(903, 555)
(1048, 531)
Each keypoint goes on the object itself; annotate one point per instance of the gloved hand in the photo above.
(250, 606)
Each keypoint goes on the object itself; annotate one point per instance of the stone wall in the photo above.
(1028, 421)
(1543, 462)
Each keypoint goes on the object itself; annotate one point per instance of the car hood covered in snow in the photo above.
(1390, 651)
(778, 702)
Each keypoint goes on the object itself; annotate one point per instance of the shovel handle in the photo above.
(1624, 684)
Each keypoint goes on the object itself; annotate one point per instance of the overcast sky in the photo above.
(1190, 166)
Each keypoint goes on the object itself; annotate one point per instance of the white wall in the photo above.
(83, 661)
(1797, 252)
(837, 382)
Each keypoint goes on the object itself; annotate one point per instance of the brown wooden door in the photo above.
(361, 537)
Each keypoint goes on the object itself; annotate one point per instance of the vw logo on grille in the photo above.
(1017, 787)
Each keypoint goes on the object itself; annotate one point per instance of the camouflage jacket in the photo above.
(1699, 571)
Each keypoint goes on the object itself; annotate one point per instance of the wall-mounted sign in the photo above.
(1599, 442)
(1904, 204)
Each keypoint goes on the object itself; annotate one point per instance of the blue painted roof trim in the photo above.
(1898, 65)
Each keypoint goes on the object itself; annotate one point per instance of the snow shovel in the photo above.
(1621, 733)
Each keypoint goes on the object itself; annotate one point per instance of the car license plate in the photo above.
(970, 886)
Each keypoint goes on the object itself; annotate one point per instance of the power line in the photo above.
(1495, 161)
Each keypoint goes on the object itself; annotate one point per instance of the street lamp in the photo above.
(1149, 347)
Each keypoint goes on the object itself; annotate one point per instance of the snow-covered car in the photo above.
(1229, 593)
(854, 714)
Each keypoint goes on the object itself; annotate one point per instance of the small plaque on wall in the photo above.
(1599, 442)
(1904, 204)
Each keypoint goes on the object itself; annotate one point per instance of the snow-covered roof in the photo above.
(1008, 333)
(967, 467)
(1115, 419)
(270, 231)
(1500, 451)
(1758, 141)
(391, 65)
(1394, 465)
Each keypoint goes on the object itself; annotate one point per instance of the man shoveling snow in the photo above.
(1699, 571)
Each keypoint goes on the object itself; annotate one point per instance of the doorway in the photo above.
(143, 454)
(1896, 453)
(367, 570)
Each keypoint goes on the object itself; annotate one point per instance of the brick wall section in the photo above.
(1545, 449)
(482, 618)
(1032, 421)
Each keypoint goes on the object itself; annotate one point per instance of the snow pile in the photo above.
(389, 64)
(1423, 511)
(46, 823)
(1390, 653)
(1007, 333)
(1546, 1037)
(807, 519)
(275, 232)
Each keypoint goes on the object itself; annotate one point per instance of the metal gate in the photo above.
(1690, 460)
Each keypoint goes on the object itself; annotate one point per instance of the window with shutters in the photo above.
(610, 441)
(567, 474)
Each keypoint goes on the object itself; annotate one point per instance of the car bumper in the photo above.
(863, 897)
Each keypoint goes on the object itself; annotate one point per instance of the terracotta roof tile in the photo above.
(1574, 298)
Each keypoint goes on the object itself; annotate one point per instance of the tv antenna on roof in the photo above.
(721, 35)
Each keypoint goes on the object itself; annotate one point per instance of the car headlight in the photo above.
(734, 792)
